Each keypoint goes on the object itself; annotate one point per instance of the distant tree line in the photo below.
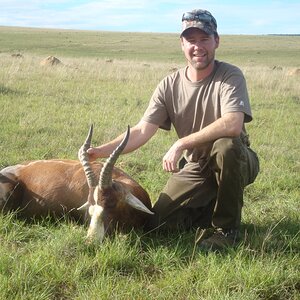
(285, 34)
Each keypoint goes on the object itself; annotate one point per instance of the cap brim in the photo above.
(198, 26)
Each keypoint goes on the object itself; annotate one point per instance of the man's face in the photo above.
(199, 48)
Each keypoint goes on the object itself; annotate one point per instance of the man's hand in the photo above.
(170, 160)
(230, 125)
(93, 153)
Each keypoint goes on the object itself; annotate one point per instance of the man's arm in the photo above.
(230, 125)
(139, 135)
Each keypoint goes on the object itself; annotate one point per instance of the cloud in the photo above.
(234, 17)
(259, 17)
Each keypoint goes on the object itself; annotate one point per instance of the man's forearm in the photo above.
(139, 135)
(228, 126)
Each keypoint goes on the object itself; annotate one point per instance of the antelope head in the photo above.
(105, 194)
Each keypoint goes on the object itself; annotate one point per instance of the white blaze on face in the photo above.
(96, 229)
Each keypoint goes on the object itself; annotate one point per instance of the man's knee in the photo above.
(227, 150)
(223, 145)
(234, 156)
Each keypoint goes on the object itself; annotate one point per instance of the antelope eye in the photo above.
(116, 187)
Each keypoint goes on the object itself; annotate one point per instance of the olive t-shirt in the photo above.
(191, 106)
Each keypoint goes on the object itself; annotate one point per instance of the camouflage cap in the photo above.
(199, 18)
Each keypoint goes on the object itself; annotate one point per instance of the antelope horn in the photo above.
(84, 159)
(105, 179)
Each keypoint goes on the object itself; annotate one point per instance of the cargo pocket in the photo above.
(253, 165)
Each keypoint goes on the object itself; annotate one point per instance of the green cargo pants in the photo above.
(209, 193)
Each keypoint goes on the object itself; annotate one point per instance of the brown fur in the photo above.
(58, 187)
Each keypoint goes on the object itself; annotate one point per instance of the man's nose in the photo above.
(198, 44)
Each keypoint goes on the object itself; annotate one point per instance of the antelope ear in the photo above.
(133, 201)
(90, 201)
(85, 206)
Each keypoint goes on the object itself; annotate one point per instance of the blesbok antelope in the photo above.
(112, 201)
(69, 187)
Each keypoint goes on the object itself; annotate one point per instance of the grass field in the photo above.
(107, 78)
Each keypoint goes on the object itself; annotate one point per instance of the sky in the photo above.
(233, 17)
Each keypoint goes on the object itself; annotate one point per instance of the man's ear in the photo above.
(217, 39)
(181, 43)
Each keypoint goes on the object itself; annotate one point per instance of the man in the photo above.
(207, 103)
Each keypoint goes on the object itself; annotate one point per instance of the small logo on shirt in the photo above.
(242, 103)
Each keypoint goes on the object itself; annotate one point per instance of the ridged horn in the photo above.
(84, 159)
(105, 179)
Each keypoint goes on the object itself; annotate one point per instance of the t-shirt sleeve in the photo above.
(234, 95)
(157, 113)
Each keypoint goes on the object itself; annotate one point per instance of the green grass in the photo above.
(46, 112)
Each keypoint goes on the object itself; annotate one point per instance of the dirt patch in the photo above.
(294, 72)
(50, 61)
(17, 55)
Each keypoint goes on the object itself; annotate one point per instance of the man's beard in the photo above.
(199, 66)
